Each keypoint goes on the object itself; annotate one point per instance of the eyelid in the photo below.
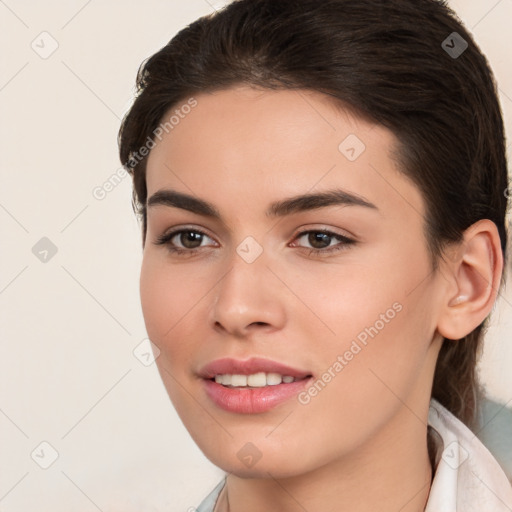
(324, 229)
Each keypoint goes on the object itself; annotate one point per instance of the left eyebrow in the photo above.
(289, 206)
(306, 202)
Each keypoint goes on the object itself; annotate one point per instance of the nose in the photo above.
(248, 299)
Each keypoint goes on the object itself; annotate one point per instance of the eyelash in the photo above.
(345, 241)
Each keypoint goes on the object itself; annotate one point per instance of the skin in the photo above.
(365, 432)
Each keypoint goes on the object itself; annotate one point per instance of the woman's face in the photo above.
(291, 241)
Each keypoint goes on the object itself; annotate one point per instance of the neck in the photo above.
(390, 472)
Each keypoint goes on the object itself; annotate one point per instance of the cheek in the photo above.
(372, 362)
(344, 300)
(157, 301)
(378, 313)
(169, 301)
(168, 298)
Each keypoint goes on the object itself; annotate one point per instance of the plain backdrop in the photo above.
(77, 394)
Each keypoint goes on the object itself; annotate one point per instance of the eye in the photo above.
(321, 241)
(186, 240)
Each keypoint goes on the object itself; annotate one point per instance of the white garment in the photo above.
(467, 477)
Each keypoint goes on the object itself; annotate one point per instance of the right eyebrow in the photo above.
(172, 198)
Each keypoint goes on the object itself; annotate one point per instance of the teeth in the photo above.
(274, 379)
(255, 380)
(239, 380)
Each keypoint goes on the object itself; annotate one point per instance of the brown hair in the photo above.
(397, 63)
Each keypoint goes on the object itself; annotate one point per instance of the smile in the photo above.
(252, 386)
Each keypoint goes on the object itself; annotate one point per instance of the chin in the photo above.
(261, 469)
(255, 460)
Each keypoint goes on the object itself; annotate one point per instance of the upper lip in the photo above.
(248, 367)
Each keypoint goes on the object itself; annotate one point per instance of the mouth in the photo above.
(252, 386)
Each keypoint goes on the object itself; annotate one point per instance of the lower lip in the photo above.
(253, 400)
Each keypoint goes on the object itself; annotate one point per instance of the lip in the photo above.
(251, 400)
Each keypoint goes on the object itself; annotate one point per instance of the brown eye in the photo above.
(190, 239)
(184, 240)
(320, 241)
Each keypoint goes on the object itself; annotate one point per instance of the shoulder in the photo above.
(467, 476)
(208, 504)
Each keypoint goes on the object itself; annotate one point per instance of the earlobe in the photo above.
(476, 274)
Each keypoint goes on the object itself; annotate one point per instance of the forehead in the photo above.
(253, 145)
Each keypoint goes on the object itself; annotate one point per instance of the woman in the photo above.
(321, 187)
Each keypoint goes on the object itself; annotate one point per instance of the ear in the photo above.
(474, 279)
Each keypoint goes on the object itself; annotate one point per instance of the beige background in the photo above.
(69, 326)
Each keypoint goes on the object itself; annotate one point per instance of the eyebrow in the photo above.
(296, 204)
